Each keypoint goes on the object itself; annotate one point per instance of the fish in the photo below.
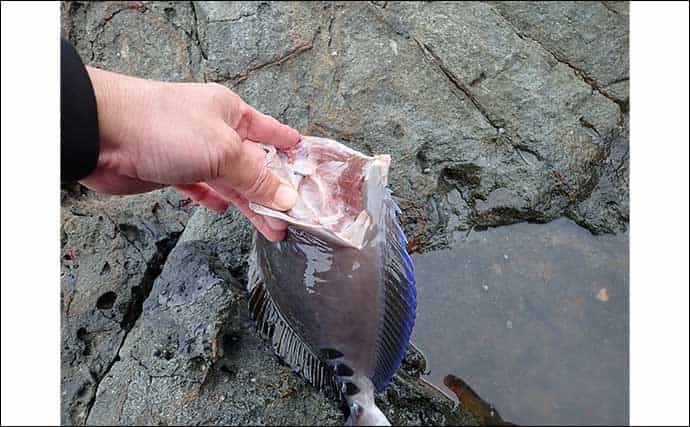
(336, 297)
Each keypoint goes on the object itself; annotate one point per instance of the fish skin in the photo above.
(337, 296)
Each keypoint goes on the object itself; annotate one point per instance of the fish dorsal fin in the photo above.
(286, 343)
(400, 299)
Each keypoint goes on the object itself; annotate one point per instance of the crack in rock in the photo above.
(236, 19)
(331, 21)
(100, 28)
(196, 39)
(293, 53)
(610, 9)
(193, 34)
(582, 74)
(429, 53)
(135, 309)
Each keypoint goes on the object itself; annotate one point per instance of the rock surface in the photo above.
(494, 113)
(112, 250)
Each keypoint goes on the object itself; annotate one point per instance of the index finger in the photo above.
(260, 127)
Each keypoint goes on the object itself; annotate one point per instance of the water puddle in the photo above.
(533, 318)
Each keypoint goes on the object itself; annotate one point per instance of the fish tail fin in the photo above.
(369, 415)
(372, 415)
(363, 409)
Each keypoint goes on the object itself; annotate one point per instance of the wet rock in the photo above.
(541, 113)
(606, 209)
(242, 38)
(111, 250)
(153, 40)
(591, 37)
(166, 358)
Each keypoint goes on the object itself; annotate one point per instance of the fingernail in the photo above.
(285, 198)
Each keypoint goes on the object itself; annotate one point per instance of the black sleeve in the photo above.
(78, 117)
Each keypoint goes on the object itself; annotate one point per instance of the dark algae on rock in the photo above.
(493, 113)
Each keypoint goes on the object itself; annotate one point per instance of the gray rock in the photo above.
(153, 40)
(542, 113)
(165, 359)
(241, 38)
(232, 229)
(111, 251)
(620, 7)
(590, 37)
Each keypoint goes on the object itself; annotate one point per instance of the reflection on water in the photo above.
(534, 317)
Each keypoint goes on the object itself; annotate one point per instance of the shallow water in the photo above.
(534, 317)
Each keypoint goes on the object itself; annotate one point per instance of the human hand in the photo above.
(200, 138)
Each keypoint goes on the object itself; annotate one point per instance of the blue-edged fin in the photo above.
(286, 343)
(400, 299)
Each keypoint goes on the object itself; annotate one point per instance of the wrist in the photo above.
(120, 115)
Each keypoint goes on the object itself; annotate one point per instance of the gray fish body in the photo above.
(338, 302)
(327, 292)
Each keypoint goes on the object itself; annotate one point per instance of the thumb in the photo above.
(245, 173)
